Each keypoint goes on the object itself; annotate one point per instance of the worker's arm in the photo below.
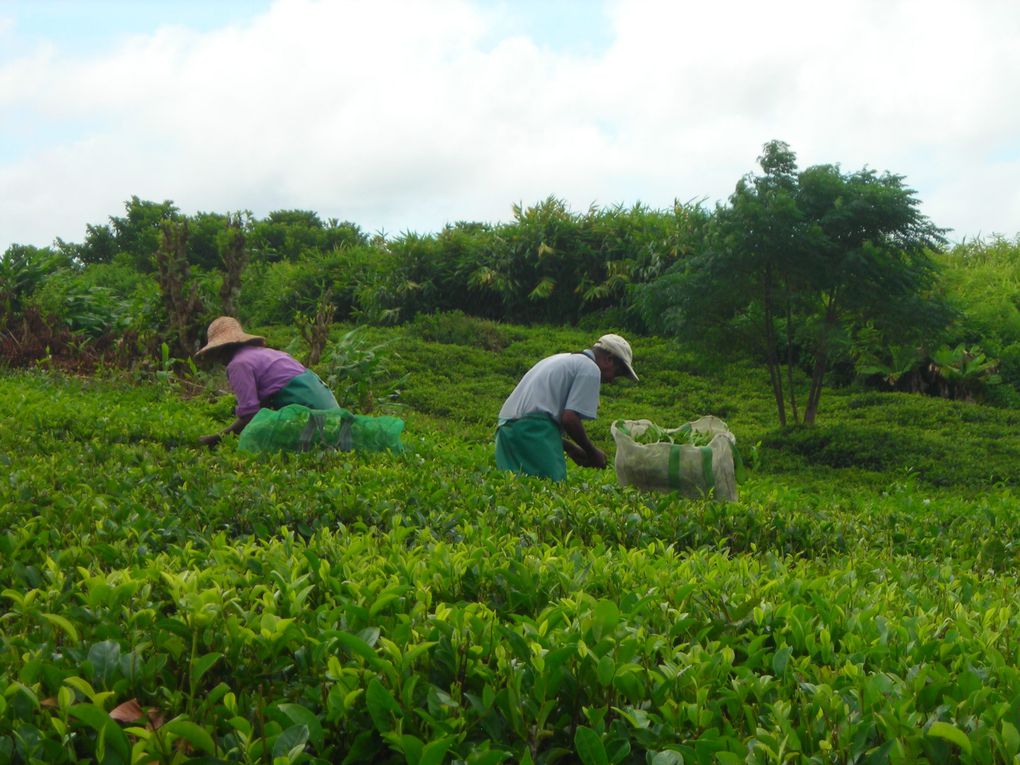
(581, 450)
(235, 427)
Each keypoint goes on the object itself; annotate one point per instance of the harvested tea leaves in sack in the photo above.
(697, 459)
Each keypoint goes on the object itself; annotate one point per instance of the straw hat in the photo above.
(620, 348)
(226, 330)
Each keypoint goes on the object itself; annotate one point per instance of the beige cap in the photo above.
(620, 348)
(226, 330)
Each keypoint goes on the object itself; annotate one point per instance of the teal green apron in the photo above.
(305, 389)
(531, 445)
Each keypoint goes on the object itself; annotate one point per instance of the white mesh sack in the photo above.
(697, 459)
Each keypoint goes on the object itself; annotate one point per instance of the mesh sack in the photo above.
(296, 428)
(697, 459)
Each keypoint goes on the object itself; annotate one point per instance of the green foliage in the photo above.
(100, 245)
(359, 280)
(183, 307)
(549, 264)
(291, 234)
(140, 232)
(796, 260)
(167, 372)
(164, 602)
(873, 355)
(49, 309)
(457, 328)
(967, 371)
(314, 329)
(232, 252)
(23, 269)
(656, 434)
(983, 279)
(205, 241)
(93, 311)
(567, 265)
(894, 433)
(355, 370)
(669, 271)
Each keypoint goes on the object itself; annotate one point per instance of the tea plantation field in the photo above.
(166, 603)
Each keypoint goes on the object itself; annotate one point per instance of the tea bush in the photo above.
(457, 328)
(167, 603)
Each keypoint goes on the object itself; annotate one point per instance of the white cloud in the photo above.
(404, 115)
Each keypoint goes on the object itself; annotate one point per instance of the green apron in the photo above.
(531, 445)
(305, 389)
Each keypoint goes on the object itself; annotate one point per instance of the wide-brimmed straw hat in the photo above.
(226, 330)
(620, 349)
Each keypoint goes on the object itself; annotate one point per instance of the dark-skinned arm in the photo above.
(235, 427)
(581, 450)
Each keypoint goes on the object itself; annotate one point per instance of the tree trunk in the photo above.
(815, 391)
(821, 362)
(789, 359)
(771, 353)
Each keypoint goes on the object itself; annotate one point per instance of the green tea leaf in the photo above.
(492, 757)
(105, 658)
(1010, 738)
(606, 670)
(605, 615)
(589, 747)
(291, 742)
(410, 745)
(667, 757)
(109, 732)
(304, 716)
(63, 623)
(381, 705)
(435, 751)
(950, 733)
(194, 734)
(779, 660)
(203, 665)
(382, 601)
(357, 646)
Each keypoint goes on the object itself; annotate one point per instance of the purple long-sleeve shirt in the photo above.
(256, 373)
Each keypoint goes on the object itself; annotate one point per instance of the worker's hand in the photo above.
(575, 452)
(597, 459)
(210, 440)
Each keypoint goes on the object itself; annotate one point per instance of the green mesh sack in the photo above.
(296, 428)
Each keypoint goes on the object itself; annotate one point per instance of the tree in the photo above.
(795, 260)
(140, 232)
(205, 239)
(286, 234)
(869, 259)
(233, 252)
(99, 247)
(181, 301)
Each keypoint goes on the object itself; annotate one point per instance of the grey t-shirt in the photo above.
(564, 381)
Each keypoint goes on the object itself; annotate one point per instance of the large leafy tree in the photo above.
(138, 234)
(798, 258)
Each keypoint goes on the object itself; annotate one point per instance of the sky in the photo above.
(408, 115)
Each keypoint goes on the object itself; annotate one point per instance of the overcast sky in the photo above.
(405, 115)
